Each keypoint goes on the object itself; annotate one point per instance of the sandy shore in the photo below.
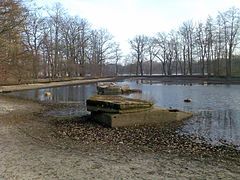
(51, 84)
(30, 148)
(163, 79)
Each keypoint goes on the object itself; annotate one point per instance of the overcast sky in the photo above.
(126, 18)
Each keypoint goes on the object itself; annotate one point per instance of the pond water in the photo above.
(72, 97)
(216, 108)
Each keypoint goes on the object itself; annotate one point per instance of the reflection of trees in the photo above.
(36, 94)
(217, 125)
(65, 94)
(82, 93)
(71, 93)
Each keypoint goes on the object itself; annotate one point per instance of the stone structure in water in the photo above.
(117, 111)
(110, 88)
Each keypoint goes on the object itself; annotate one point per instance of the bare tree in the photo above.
(161, 53)
(209, 31)
(231, 26)
(173, 55)
(70, 45)
(177, 50)
(100, 49)
(152, 52)
(117, 56)
(83, 39)
(218, 45)
(56, 14)
(12, 21)
(33, 39)
(201, 46)
(139, 45)
(187, 32)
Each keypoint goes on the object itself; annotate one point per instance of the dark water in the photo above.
(216, 109)
(73, 97)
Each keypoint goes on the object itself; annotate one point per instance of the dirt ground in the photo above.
(28, 150)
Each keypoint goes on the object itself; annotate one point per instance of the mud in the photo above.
(30, 149)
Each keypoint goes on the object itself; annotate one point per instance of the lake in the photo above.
(216, 108)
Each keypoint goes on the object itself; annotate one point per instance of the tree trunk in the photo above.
(150, 64)
(184, 61)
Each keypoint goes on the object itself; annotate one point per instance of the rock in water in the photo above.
(47, 94)
(110, 88)
(127, 90)
(187, 100)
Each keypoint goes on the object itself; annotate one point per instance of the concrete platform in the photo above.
(116, 104)
(116, 111)
(110, 88)
(155, 115)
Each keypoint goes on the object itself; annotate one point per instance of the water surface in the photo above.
(73, 97)
(216, 109)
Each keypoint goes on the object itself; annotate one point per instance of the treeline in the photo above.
(208, 48)
(177, 68)
(52, 46)
(49, 43)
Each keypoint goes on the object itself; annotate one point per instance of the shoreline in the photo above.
(162, 79)
(11, 88)
(79, 148)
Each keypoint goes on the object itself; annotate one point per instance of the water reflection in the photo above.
(74, 97)
(215, 126)
(203, 97)
(216, 109)
(64, 94)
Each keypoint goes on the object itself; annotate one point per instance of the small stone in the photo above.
(187, 100)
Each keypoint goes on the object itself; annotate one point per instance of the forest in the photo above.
(38, 43)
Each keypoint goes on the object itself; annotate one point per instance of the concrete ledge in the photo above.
(110, 88)
(156, 115)
(117, 111)
(116, 104)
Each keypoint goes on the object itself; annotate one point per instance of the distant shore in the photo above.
(43, 84)
(176, 79)
(189, 79)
